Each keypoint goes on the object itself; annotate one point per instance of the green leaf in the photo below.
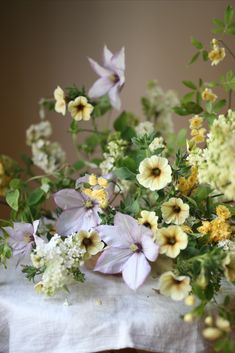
(79, 165)
(101, 107)
(124, 173)
(228, 15)
(205, 55)
(218, 22)
(196, 43)
(12, 198)
(187, 97)
(231, 29)
(194, 58)
(15, 183)
(219, 105)
(36, 197)
(189, 84)
(124, 123)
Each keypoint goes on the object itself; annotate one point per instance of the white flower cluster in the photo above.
(47, 155)
(160, 106)
(144, 128)
(56, 259)
(216, 162)
(115, 150)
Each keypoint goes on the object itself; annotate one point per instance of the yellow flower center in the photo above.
(176, 209)
(136, 247)
(171, 241)
(114, 78)
(87, 242)
(156, 171)
(88, 204)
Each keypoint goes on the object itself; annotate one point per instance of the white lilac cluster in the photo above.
(115, 150)
(216, 162)
(47, 155)
(56, 259)
(158, 106)
(144, 128)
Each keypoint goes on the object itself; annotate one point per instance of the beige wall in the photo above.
(45, 43)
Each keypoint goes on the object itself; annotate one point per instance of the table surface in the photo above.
(103, 315)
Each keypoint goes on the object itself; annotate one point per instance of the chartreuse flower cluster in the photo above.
(141, 199)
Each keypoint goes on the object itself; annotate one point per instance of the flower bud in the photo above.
(190, 300)
(222, 324)
(189, 317)
(211, 333)
(209, 321)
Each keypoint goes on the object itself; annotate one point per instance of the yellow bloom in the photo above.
(155, 173)
(60, 104)
(176, 287)
(205, 228)
(212, 333)
(220, 230)
(175, 211)
(171, 240)
(38, 287)
(216, 55)
(185, 228)
(229, 265)
(198, 138)
(150, 220)
(103, 182)
(196, 122)
(92, 180)
(90, 243)
(223, 212)
(101, 196)
(208, 95)
(80, 109)
(186, 185)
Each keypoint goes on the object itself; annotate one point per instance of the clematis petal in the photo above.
(112, 235)
(70, 221)
(129, 227)
(100, 70)
(112, 260)
(107, 56)
(136, 270)
(35, 226)
(118, 59)
(102, 86)
(150, 249)
(68, 198)
(114, 96)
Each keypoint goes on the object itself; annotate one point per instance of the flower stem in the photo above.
(228, 49)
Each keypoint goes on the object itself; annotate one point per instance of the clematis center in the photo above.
(136, 247)
(28, 238)
(88, 204)
(114, 78)
(156, 171)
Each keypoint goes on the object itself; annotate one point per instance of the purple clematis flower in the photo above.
(22, 237)
(130, 246)
(80, 212)
(111, 75)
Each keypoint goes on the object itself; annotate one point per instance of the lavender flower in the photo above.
(80, 212)
(22, 237)
(130, 246)
(111, 76)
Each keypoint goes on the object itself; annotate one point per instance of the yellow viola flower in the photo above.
(223, 212)
(103, 182)
(220, 230)
(92, 180)
(196, 122)
(208, 95)
(216, 55)
(90, 243)
(149, 219)
(175, 211)
(80, 109)
(171, 240)
(176, 287)
(60, 103)
(155, 173)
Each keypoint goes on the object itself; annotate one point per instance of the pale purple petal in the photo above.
(68, 198)
(107, 56)
(76, 219)
(114, 96)
(100, 70)
(112, 260)
(150, 249)
(136, 270)
(35, 226)
(102, 86)
(118, 59)
(129, 227)
(112, 236)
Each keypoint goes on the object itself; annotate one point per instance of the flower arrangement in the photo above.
(150, 198)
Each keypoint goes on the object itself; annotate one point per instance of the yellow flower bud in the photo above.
(92, 180)
(189, 317)
(209, 321)
(38, 287)
(190, 300)
(223, 324)
(103, 182)
(212, 333)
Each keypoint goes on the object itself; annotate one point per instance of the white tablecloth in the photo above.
(104, 314)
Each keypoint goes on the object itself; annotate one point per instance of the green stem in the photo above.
(74, 139)
(93, 131)
(228, 49)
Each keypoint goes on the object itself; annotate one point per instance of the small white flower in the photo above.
(60, 104)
